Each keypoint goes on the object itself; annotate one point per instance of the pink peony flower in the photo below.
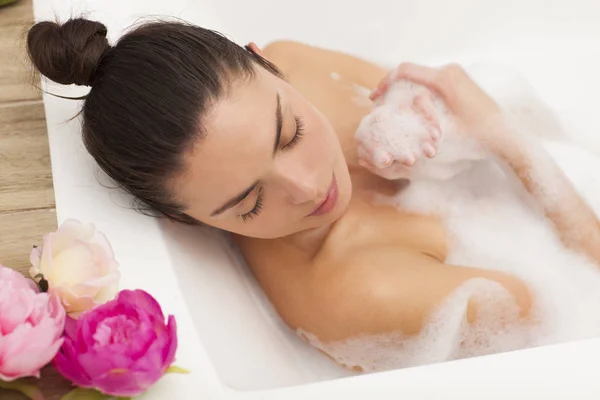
(79, 265)
(120, 348)
(31, 326)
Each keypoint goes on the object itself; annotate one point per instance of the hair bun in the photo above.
(68, 53)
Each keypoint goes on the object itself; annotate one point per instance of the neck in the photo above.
(310, 241)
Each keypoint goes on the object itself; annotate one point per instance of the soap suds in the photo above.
(447, 335)
(491, 227)
(492, 223)
(406, 122)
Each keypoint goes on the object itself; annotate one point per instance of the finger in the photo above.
(420, 74)
(426, 76)
(436, 132)
(429, 150)
(378, 91)
(383, 86)
(424, 104)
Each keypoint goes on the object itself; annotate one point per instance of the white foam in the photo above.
(491, 227)
(447, 335)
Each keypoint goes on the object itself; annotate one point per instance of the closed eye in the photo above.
(257, 208)
(293, 142)
(298, 135)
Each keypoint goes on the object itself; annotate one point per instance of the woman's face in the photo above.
(270, 164)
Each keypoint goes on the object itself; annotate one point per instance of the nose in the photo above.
(300, 186)
(300, 190)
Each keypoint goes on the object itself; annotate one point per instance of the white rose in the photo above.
(79, 265)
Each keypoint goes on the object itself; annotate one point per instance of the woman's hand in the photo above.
(470, 104)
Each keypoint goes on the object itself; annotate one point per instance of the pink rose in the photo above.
(79, 265)
(31, 326)
(120, 348)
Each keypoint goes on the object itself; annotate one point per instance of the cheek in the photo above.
(323, 140)
(318, 151)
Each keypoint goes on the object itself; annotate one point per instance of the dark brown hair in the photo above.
(148, 95)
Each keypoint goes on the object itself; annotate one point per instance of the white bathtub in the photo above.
(229, 338)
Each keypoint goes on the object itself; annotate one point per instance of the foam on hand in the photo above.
(406, 129)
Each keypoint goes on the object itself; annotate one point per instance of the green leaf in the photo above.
(174, 369)
(27, 389)
(38, 276)
(90, 394)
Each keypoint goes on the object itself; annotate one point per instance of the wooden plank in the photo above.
(25, 172)
(19, 232)
(26, 195)
(16, 74)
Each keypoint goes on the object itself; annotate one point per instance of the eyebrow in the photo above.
(279, 121)
(234, 201)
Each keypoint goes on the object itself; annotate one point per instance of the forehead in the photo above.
(236, 147)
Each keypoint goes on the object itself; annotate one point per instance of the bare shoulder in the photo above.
(292, 55)
(371, 293)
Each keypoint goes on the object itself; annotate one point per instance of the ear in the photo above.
(255, 49)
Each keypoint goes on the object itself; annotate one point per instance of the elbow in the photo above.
(509, 299)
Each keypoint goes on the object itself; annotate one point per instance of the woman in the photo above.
(260, 144)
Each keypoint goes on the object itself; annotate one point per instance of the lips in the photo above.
(329, 202)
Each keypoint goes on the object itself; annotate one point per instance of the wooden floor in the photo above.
(26, 194)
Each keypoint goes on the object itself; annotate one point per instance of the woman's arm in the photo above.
(574, 220)
(359, 296)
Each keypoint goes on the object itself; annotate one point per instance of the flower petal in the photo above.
(69, 368)
(122, 346)
(100, 239)
(45, 263)
(98, 363)
(31, 325)
(15, 309)
(143, 299)
(28, 349)
(108, 292)
(126, 383)
(169, 355)
(39, 308)
(31, 360)
(34, 258)
(75, 304)
(70, 328)
(17, 281)
(73, 265)
(56, 311)
(95, 285)
(72, 229)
